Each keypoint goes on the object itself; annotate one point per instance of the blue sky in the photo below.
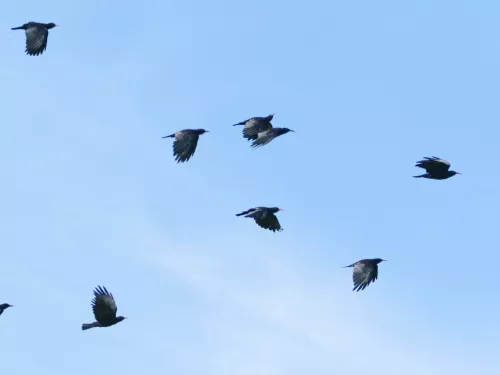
(91, 195)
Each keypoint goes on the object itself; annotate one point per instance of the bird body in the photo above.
(4, 306)
(263, 138)
(436, 168)
(264, 217)
(255, 125)
(364, 272)
(104, 308)
(36, 36)
(185, 143)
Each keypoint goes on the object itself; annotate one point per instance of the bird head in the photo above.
(378, 260)
(453, 173)
(202, 131)
(120, 318)
(286, 130)
(275, 209)
(270, 117)
(51, 25)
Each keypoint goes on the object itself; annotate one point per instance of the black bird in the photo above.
(263, 138)
(4, 306)
(255, 125)
(185, 143)
(365, 271)
(104, 308)
(36, 36)
(436, 168)
(264, 217)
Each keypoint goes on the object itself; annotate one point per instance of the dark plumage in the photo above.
(365, 271)
(263, 138)
(185, 143)
(436, 168)
(264, 217)
(104, 308)
(4, 306)
(36, 36)
(255, 125)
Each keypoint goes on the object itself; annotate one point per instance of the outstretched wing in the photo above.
(263, 138)
(363, 274)
(254, 126)
(434, 165)
(269, 221)
(248, 213)
(36, 40)
(185, 145)
(104, 306)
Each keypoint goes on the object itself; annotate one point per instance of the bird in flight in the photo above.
(36, 36)
(364, 272)
(104, 308)
(4, 306)
(185, 143)
(255, 125)
(266, 136)
(436, 168)
(264, 217)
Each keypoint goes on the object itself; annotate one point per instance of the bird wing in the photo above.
(251, 212)
(363, 274)
(185, 145)
(263, 138)
(104, 306)
(254, 126)
(36, 40)
(269, 221)
(434, 165)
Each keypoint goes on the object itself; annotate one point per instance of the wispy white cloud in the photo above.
(276, 321)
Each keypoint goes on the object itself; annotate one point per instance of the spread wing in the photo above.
(104, 306)
(254, 126)
(434, 165)
(263, 138)
(363, 274)
(36, 40)
(249, 213)
(185, 145)
(269, 221)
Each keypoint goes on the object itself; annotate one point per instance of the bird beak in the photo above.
(57, 25)
(459, 173)
(281, 209)
(292, 130)
(384, 260)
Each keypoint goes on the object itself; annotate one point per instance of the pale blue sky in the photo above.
(91, 195)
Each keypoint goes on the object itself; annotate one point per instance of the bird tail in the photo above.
(89, 326)
(17, 28)
(169, 136)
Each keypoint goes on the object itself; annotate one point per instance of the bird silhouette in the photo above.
(364, 272)
(436, 168)
(36, 36)
(264, 217)
(104, 308)
(263, 138)
(255, 125)
(185, 143)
